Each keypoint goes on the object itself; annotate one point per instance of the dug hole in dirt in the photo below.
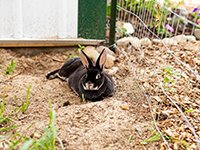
(118, 122)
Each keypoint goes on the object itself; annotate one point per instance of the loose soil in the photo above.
(118, 122)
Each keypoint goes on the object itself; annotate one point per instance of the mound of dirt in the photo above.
(119, 122)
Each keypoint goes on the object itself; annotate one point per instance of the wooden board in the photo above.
(48, 42)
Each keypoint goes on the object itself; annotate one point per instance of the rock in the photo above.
(180, 38)
(157, 41)
(110, 61)
(113, 70)
(145, 42)
(135, 42)
(128, 42)
(4, 145)
(123, 42)
(197, 33)
(93, 54)
(110, 56)
(191, 38)
(169, 41)
(100, 48)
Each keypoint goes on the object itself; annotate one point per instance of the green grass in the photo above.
(4, 119)
(48, 140)
(25, 104)
(2, 106)
(155, 137)
(80, 48)
(169, 77)
(10, 68)
(16, 140)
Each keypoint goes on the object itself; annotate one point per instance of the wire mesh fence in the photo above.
(163, 21)
(162, 74)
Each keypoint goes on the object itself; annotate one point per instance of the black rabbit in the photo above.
(85, 78)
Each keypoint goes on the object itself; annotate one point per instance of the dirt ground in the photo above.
(120, 122)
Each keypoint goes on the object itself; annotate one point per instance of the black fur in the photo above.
(78, 76)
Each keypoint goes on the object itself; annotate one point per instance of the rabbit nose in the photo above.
(89, 86)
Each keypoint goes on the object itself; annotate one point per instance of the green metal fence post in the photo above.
(92, 19)
(113, 22)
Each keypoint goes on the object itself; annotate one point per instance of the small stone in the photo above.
(4, 145)
(176, 146)
(110, 61)
(169, 41)
(191, 38)
(91, 52)
(124, 107)
(145, 42)
(180, 38)
(193, 146)
(36, 135)
(113, 70)
(169, 132)
(123, 42)
(197, 33)
(135, 42)
(129, 41)
(161, 116)
(100, 48)
(157, 41)
(66, 103)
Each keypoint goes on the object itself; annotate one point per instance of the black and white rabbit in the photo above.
(87, 79)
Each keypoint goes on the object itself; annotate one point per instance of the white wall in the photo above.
(38, 19)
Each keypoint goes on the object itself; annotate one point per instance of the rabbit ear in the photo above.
(101, 59)
(85, 60)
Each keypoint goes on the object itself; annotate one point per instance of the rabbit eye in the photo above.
(98, 76)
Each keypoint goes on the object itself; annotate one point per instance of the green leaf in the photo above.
(2, 107)
(108, 10)
(25, 104)
(168, 69)
(10, 68)
(166, 80)
(48, 140)
(3, 129)
(130, 138)
(27, 145)
(189, 110)
(4, 119)
(80, 47)
(155, 137)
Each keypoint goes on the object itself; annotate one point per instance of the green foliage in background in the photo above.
(152, 8)
(169, 77)
(108, 10)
